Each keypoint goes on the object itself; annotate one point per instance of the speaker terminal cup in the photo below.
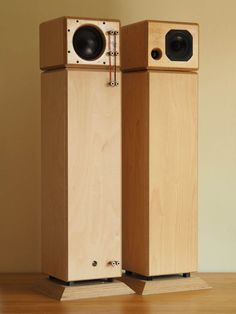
(114, 33)
(113, 83)
(114, 263)
(113, 53)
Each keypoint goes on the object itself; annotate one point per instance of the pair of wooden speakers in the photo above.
(99, 157)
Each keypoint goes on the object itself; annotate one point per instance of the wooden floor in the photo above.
(16, 296)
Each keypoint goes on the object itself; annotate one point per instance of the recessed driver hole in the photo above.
(156, 54)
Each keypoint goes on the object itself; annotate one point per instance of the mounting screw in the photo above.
(94, 263)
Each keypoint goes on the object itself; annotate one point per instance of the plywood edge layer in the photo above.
(78, 67)
(83, 291)
(165, 285)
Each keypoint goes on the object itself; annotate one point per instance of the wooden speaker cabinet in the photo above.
(159, 124)
(81, 149)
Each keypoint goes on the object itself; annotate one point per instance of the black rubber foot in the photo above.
(186, 275)
(75, 283)
(62, 282)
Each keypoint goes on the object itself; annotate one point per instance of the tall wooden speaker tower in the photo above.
(159, 120)
(81, 152)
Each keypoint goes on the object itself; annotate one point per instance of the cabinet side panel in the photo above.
(135, 171)
(134, 45)
(173, 172)
(53, 43)
(54, 178)
(94, 175)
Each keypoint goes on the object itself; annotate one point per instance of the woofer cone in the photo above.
(179, 45)
(89, 42)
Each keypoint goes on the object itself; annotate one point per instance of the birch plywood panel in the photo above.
(135, 163)
(139, 39)
(94, 175)
(57, 48)
(156, 39)
(173, 172)
(54, 176)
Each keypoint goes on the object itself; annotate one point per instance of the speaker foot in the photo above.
(186, 275)
(79, 282)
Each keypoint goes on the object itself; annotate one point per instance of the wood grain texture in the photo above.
(73, 24)
(94, 175)
(135, 173)
(156, 39)
(17, 296)
(159, 172)
(53, 43)
(54, 176)
(84, 290)
(167, 284)
(140, 38)
(56, 43)
(134, 41)
(81, 175)
(173, 172)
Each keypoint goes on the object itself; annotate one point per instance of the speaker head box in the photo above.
(79, 42)
(159, 45)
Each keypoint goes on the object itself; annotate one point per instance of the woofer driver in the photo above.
(179, 45)
(89, 42)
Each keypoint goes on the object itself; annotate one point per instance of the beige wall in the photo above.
(20, 120)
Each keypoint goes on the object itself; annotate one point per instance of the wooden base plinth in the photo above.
(84, 290)
(164, 284)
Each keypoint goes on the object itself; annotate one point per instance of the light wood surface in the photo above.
(140, 38)
(17, 296)
(81, 176)
(52, 43)
(172, 172)
(94, 175)
(135, 172)
(84, 290)
(134, 41)
(56, 43)
(164, 284)
(54, 176)
(73, 24)
(159, 172)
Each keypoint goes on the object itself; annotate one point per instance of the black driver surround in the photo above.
(89, 42)
(179, 45)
